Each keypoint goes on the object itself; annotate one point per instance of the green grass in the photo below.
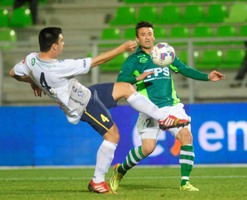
(153, 183)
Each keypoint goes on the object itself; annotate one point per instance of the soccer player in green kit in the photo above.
(157, 84)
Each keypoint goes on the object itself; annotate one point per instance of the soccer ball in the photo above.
(163, 54)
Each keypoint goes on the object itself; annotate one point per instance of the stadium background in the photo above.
(34, 132)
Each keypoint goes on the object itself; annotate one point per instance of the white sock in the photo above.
(144, 105)
(104, 159)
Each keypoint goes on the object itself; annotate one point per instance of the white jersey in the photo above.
(57, 79)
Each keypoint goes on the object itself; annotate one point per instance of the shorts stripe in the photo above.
(96, 120)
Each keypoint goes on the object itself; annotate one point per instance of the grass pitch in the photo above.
(141, 183)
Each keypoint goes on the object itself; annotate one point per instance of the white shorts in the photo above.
(148, 128)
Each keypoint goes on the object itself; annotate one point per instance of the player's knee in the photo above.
(185, 136)
(128, 88)
(122, 90)
(113, 134)
(148, 149)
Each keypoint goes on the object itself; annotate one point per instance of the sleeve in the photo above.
(126, 73)
(179, 66)
(74, 67)
(21, 68)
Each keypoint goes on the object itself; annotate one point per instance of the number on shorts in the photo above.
(104, 118)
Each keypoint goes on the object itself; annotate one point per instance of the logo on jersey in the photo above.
(33, 61)
(78, 92)
(143, 59)
(84, 63)
(158, 73)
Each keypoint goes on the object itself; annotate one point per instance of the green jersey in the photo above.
(159, 86)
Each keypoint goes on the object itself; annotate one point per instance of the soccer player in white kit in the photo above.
(56, 78)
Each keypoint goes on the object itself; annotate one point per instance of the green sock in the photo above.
(134, 156)
(186, 161)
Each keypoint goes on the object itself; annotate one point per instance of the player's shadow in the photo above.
(148, 187)
(35, 191)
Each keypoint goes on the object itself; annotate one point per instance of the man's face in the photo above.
(58, 46)
(146, 38)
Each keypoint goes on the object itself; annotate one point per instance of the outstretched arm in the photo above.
(104, 57)
(26, 79)
(196, 74)
(37, 91)
(216, 76)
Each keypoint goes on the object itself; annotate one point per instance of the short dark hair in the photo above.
(48, 36)
(143, 24)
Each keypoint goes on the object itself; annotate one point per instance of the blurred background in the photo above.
(206, 34)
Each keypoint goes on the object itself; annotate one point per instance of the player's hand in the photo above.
(37, 91)
(130, 46)
(143, 76)
(216, 76)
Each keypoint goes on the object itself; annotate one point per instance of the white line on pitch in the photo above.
(141, 177)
